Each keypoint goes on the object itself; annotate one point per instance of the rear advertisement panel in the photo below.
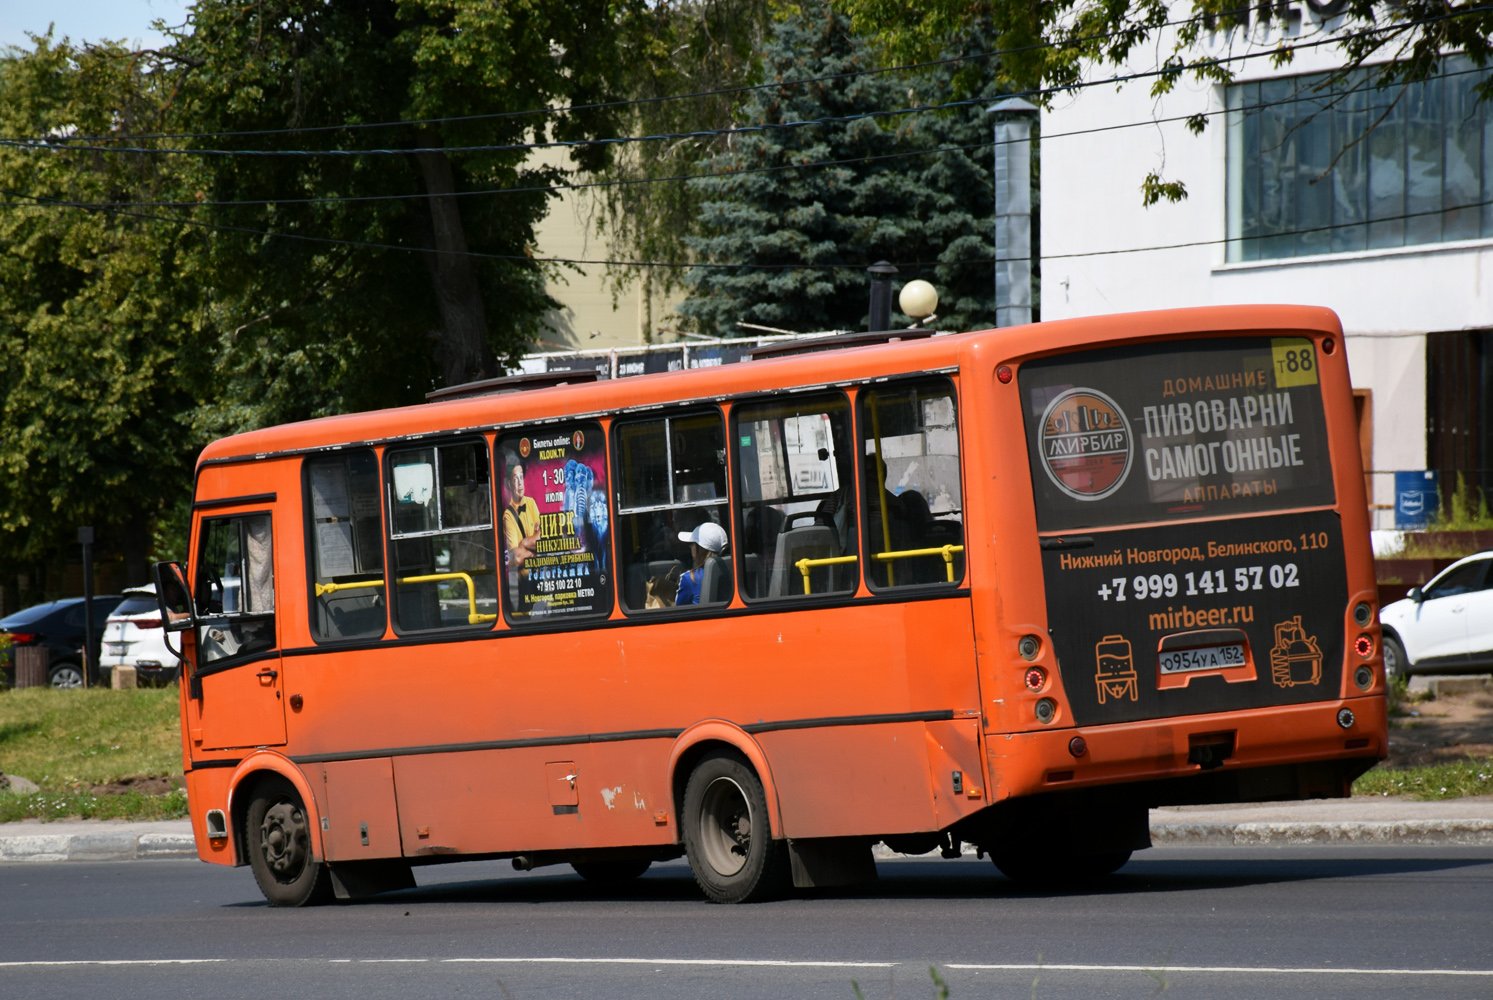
(1201, 617)
(1216, 612)
(1175, 432)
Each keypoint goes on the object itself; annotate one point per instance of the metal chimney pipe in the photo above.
(881, 295)
(1013, 212)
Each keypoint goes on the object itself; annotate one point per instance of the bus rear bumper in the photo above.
(1246, 756)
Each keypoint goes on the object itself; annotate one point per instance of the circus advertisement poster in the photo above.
(555, 524)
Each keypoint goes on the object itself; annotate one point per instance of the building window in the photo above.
(1317, 167)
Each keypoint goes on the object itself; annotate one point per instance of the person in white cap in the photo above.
(708, 539)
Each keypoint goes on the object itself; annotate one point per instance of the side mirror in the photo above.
(1415, 594)
(174, 597)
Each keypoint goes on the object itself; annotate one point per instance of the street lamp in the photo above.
(918, 300)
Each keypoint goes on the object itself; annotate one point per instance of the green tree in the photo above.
(929, 213)
(100, 315)
(1051, 44)
(311, 327)
(706, 47)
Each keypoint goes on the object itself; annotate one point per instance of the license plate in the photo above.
(118, 648)
(1181, 661)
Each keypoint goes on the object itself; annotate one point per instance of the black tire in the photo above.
(610, 872)
(65, 676)
(727, 833)
(278, 840)
(1396, 663)
(1035, 868)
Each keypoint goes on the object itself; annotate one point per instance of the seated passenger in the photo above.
(708, 539)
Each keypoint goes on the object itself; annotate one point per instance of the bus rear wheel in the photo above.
(610, 872)
(279, 844)
(727, 835)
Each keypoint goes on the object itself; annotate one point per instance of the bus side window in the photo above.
(235, 589)
(672, 482)
(441, 537)
(798, 528)
(347, 546)
(914, 506)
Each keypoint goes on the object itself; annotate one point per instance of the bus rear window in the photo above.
(1178, 430)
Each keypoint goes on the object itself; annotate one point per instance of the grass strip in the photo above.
(69, 742)
(1432, 782)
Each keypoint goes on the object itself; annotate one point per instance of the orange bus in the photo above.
(1008, 588)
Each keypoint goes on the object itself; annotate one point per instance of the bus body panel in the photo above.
(405, 729)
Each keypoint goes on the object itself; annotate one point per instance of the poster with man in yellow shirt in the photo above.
(555, 523)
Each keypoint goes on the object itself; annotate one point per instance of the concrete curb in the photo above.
(1425, 832)
(104, 845)
(97, 846)
(1414, 833)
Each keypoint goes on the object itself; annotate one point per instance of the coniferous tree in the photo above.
(796, 239)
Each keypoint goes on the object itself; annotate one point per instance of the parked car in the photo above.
(1445, 626)
(133, 637)
(57, 625)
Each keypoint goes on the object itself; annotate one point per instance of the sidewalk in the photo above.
(1363, 820)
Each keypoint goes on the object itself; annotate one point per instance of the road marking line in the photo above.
(1225, 968)
(774, 963)
(684, 961)
(125, 961)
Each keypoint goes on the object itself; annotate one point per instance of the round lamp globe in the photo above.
(918, 299)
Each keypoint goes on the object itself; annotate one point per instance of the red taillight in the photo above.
(148, 623)
(23, 638)
(1004, 374)
(1364, 646)
(1035, 678)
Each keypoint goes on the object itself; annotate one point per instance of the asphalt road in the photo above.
(1241, 922)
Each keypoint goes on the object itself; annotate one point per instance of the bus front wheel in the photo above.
(279, 842)
(727, 835)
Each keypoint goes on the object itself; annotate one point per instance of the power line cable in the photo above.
(571, 109)
(670, 265)
(735, 130)
(745, 171)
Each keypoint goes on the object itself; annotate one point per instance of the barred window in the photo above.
(1317, 167)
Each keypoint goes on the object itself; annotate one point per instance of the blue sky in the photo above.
(88, 20)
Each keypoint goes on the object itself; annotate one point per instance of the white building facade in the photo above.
(1394, 231)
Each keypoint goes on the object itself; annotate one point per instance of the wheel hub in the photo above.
(284, 839)
(725, 826)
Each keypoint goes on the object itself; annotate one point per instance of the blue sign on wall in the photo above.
(1417, 498)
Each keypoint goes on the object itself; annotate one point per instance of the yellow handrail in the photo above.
(804, 565)
(947, 551)
(473, 618)
(886, 525)
(332, 588)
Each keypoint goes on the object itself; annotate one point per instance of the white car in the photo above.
(133, 637)
(1445, 626)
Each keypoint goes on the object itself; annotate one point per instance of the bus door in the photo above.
(236, 697)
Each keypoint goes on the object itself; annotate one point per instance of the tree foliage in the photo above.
(707, 47)
(887, 198)
(99, 315)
